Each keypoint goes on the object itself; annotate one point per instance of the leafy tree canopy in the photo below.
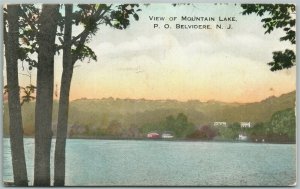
(277, 16)
(91, 16)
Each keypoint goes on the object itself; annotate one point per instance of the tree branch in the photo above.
(105, 11)
(29, 21)
(85, 33)
(97, 15)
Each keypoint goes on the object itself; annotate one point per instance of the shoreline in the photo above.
(166, 140)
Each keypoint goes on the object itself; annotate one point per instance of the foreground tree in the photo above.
(44, 95)
(277, 16)
(11, 41)
(59, 170)
(91, 16)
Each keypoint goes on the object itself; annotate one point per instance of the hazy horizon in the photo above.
(210, 100)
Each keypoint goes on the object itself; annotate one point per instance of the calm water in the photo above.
(129, 162)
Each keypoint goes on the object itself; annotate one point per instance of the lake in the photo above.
(144, 163)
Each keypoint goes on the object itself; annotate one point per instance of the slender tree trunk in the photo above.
(62, 123)
(15, 117)
(59, 161)
(44, 96)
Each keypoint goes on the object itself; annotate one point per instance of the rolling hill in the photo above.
(131, 113)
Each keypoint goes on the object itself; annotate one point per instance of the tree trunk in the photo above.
(15, 117)
(59, 161)
(63, 110)
(44, 96)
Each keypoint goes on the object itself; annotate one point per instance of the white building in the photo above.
(224, 124)
(167, 135)
(245, 124)
(242, 137)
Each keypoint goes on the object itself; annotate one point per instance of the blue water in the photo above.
(130, 162)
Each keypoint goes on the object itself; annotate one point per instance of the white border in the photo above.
(2, 2)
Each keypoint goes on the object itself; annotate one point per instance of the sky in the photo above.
(228, 65)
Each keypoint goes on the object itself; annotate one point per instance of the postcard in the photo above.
(169, 94)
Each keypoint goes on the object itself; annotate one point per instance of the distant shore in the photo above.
(170, 140)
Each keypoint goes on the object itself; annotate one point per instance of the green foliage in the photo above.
(277, 16)
(180, 126)
(228, 134)
(83, 51)
(138, 117)
(5, 89)
(119, 17)
(282, 60)
(114, 128)
(92, 16)
(259, 132)
(258, 129)
(231, 132)
(28, 16)
(205, 132)
(28, 91)
(284, 123)
(235, 126)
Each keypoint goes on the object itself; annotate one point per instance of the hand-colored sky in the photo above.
(143, 62)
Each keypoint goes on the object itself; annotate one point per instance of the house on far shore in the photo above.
(245, 124)
(153, 135)
(167, 135)
(242, 137)
(224, 124)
